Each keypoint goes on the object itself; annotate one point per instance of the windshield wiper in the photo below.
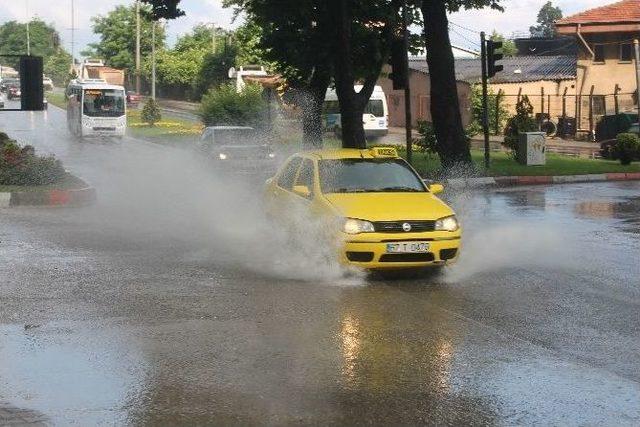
(350, 190)
(399, 189)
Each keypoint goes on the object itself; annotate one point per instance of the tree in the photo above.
(363, 34)
(58, 67)
(151, 112)
(117, 30)
(452, 146)
(547, 16)
(509, 48)
(44, 40)
(297, 45)
(225, 106)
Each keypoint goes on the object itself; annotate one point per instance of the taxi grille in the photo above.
(397, 226)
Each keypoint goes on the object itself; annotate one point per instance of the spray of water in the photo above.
(176, 195)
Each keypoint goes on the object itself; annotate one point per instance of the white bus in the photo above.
(375, 117)
(96, 108)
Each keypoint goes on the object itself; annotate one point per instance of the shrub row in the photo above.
(21, 166)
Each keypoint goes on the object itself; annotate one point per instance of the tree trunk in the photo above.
(351, 105)
(313, 100)
(452, 146)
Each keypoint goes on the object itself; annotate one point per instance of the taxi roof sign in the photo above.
(383, 152)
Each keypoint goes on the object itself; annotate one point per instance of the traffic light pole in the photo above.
(485, 106)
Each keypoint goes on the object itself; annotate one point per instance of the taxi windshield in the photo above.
(367, 176)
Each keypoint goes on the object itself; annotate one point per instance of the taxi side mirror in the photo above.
(302, 190)
(436, 188)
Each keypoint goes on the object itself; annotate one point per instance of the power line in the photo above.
(464, 28)
(468, 40)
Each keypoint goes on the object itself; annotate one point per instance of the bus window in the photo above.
(103, 103)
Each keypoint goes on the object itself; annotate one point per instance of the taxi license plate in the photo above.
(407, 247)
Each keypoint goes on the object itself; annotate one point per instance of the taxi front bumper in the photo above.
(374, 255)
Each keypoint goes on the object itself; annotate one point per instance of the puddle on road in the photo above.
(68, 372)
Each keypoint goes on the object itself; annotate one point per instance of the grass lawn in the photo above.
(503, 165)
(174, 129)
(167, 130)
(69, 182)
(57, 99)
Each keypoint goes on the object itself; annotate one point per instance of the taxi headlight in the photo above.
(449, 223)
(357, 226)
(222, 156)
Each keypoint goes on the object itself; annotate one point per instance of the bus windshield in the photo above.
(103, 103)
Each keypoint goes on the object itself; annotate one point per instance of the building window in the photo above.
(626, 52)
(598, 53)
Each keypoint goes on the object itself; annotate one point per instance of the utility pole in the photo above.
(636, 45)
(213, 38)
(485, 112)
(138, 46)
(28, 36)
(153, 60)
(407, 86)
(73, 35)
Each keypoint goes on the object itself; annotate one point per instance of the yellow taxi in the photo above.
(383, 215)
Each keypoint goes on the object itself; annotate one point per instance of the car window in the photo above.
(305, 177)
(285, 180)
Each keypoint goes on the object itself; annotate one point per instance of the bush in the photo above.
(523, 121)
(226, 107)
(151, 112)
(627, 147)
(476, 110)
(428, 141)
(21, 166)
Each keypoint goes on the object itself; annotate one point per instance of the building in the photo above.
(606, 77)
(546, 80)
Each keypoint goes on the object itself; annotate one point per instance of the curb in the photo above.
(508, 181)
(49, 198)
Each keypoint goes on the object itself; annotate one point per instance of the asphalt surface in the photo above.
(169, 303)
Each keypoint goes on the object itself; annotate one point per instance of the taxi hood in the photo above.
(389, 206)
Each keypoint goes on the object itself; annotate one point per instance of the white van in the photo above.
(375, 117)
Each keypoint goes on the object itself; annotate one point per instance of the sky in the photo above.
(516, 19)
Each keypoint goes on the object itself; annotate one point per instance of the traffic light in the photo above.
(31, 88)
(398, 62)
(492, 57)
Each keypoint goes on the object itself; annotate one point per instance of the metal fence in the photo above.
(569, 115)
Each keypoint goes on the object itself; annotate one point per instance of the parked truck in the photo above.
(95, 69)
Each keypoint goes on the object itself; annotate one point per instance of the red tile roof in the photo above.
(622, 11)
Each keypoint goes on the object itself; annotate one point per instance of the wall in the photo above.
(420, 99)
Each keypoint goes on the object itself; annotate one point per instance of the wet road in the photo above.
(165, 304)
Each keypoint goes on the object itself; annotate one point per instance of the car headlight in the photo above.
(222, 156)
(272, 155)
(357, 226)
(449, 223)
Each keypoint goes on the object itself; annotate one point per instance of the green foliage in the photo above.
(247, 39)
(58, 67)
(427, 140)
(213, 70)
(44, 40)
(547, 15)
(20, 166)
(224, 106)
(509, 48)
(117, 30)
(523, 121)
(151, 112)
(476, 109)
(627, 147)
